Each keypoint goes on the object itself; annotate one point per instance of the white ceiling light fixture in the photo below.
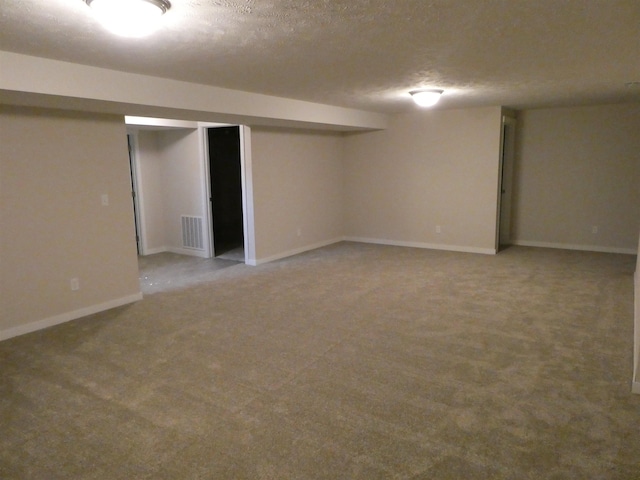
(129, 18)
(426, 98)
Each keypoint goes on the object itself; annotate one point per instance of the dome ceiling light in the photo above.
(129, 18)
(426, 98)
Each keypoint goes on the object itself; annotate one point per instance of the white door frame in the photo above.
(505, 180)
(132, 143)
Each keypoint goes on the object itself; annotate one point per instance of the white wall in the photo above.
(297, 190)
(183, 182)
(171, 184)
(150, 192)
(428, 169)
(54, 168)
(578, 168)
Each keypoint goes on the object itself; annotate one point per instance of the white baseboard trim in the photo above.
(568, 246)
(67, 317)
(431, 246)
(290, 253)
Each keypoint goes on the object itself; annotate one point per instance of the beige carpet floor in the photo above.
(163, 272)
(348, 362)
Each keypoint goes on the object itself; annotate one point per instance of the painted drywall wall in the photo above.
(150, 192)
(171, 184)
(576, 169)
(183, 181)
(429, 169)
(297, 190)
(55, 168)
(34, 81)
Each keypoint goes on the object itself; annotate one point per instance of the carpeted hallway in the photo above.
(349, 362)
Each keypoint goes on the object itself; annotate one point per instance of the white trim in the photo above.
(139, 198)
(500, 168)
(508, 127)
(203, 151)
(567, 246)
(431, 246)
(635, 387)
(290, 253)
(67, 317)
(132, 139)
(152, 123)
(248, 216)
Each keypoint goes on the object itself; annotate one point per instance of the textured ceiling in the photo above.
(364, 54)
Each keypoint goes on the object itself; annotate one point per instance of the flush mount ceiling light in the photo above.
(426, 98)
(129, 18)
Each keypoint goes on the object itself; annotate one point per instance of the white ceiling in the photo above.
(363, 54)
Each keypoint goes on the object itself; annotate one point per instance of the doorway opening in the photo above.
(226, 198)
(176, 181)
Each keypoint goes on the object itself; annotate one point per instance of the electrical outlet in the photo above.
(438, 229)
(75, 284)
(105, 200)
(594, 229)
(299, 232)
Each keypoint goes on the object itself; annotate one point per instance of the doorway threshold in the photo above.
(236, 254)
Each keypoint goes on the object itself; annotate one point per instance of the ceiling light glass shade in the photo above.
(129, 18)
(426, 98)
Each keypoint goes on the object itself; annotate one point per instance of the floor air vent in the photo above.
(192, 232)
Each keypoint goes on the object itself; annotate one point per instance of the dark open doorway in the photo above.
(226, 189)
